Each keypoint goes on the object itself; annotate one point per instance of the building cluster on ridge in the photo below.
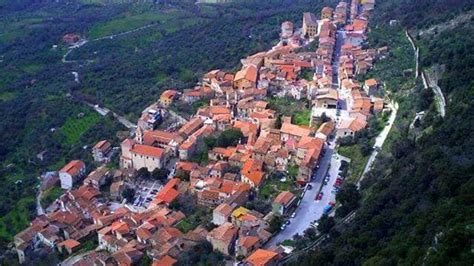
(270, 144)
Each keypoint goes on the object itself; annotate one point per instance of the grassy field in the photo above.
(302, 118)
(75, 127)
(184, 226)
(358, 161)
(17, 219)
(291, 107)
(167, 20)
(9, 30)
(8, 95)
(274, 186)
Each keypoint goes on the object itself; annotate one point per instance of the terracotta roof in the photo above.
(354, 124)
(70, 243)
(224, 209)
(143, 233)
(371, 82)
(186, 166)
(326, 128)
(225, 232)
(251, 166)
(168, 193)
(165, 261)
(73, 167)
(170, 94)
(294, 130)
(191, 126)
(248, 241)
(150, 136)
(102, 145)
(256, 177)
(284, 198)
(261, 257)
(147, 150)
(248, 73)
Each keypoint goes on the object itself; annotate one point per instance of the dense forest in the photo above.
(417, 206)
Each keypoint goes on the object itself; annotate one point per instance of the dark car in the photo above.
(319, 196)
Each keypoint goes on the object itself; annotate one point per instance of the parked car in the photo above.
(288, 222)
(319, 196)
(327, 209)
(309, 186)
(293, 215)
(283, 227)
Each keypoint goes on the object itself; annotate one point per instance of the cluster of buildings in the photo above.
(233, 174)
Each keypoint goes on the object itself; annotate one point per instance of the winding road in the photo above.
(428, 80)
(82, 42)
(379, 141)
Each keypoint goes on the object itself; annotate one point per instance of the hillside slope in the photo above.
(418, 205)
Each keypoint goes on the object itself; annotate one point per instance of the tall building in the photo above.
(310, 25)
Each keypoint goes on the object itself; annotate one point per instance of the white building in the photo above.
(71, 173)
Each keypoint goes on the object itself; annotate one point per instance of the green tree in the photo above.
(143, 173)
(326, 223)
(160, 174)
(229, 137)
(349, 195)
(275, 224)
(128, 194)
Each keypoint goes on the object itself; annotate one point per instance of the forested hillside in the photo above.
(418, 205)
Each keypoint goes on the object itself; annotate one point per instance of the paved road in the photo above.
(439, 96)
(103, 111)
(39, 208)
(379, 141)
(110, 37)
(310, 210)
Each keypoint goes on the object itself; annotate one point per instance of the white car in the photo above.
(293, 215)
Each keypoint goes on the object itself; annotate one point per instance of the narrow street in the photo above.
(39, 208)
(310, 209)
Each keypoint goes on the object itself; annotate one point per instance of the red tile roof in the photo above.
(170, 94)
(69, 243)
(256, 177)
(284, 198)
(148, 150)
(248, 73)
(165, 261)
(102, 145)
(73, 167)
(261, 257)
(248, 241)
(168, 193)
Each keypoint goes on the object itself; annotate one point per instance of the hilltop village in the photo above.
(237, 175)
